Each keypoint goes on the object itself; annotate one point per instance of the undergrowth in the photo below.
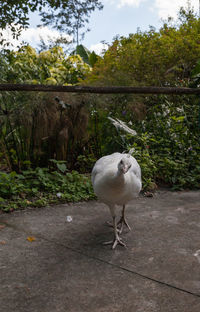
(39, 187)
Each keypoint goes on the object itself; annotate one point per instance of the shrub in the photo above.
(42, 186)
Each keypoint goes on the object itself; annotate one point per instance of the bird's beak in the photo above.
(125, 169)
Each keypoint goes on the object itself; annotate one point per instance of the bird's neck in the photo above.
(115, 179)
(120, 176)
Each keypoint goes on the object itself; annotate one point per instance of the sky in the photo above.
(118, 17)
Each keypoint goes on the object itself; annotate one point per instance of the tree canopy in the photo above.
(70, 17)
(65, 15)
(47, 67)
(160, 58)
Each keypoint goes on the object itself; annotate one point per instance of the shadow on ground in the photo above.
(66, 268)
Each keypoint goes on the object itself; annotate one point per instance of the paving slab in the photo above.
(52, 259)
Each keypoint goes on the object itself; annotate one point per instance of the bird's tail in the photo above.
(121, 125)
(131, 151)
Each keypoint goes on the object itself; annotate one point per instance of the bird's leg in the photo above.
(112, 211)
(117, 240)
(123, 221)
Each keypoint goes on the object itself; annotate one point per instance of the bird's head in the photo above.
(124, 165)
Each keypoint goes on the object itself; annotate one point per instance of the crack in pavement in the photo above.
(104, 261)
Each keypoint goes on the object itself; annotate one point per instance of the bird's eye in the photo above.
(121, 162)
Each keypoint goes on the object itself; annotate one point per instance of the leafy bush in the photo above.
(156, 58)
(167, 144)
(85, 163)
(37, 126)
(41, 186)
(47, 67)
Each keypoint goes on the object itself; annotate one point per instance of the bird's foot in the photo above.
(110, 224)
(121, 222)
(117, 241)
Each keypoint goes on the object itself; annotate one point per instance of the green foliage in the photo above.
(60, 165)
(65, 15)
(15, 13)
(195, 83)
(142, 153)
(46, 67)
(85, 163)
(167, 144)
(39, 187)
(161, 58)
(72, 16)
(88, 57)
(27, 118)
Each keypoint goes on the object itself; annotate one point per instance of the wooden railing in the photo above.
(100, 90)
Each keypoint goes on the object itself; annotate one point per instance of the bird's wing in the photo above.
(135, 168)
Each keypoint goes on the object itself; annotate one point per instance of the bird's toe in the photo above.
(117, 241)
(120, 224)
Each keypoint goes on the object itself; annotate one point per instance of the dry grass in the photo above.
(57, 129)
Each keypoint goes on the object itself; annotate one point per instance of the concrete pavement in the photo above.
(52, 259)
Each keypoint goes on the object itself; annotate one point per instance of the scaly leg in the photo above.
(117, 240)
(123, 221)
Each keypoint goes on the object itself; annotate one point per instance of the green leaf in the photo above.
(83, 52)
(61, 167)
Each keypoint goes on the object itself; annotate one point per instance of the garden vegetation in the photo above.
(49, 142)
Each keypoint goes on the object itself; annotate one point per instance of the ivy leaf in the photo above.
(61, 167)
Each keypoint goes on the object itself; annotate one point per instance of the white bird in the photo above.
(116, 180)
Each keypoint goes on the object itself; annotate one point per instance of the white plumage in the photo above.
(116, 180)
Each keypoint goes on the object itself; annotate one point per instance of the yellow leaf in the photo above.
(31, 238)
